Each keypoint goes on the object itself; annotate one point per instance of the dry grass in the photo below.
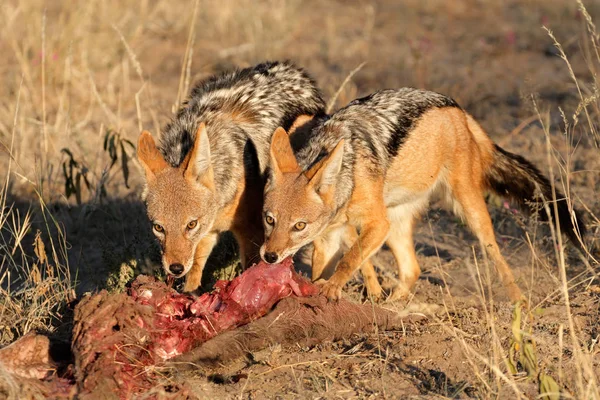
(81, 80)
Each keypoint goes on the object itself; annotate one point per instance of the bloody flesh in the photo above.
(181, 321)
(117, 339)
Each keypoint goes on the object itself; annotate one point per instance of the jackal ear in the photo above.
(282, 156)
(149, 156)
(198, 168)
(325, 173)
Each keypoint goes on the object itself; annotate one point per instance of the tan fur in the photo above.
(365, 212)
(328, 251)
(447, 148)
(446, 153)
(367, 270)
(315, 168)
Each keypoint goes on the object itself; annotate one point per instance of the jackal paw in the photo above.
(191, 286)
(374, 292)
(400, 292)
(330, 289)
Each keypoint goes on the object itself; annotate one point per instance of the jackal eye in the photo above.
(299, 226)
(192, 224)
(158, 228)
(270, 220)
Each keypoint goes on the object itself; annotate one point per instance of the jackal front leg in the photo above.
(203, 250)
(372, 235)
(327, 252)
(368, 271)
(249, 246)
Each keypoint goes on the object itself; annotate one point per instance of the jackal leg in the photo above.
(326, 253)
(400, 241)
(476, 214)
(203, 250)
(367, 212)
(249, 242)
(367, 270)
(372, 236)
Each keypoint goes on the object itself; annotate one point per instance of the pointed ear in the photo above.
(283, 159)
(301, 120)
(325, 173)
(149, 156)
(198, 167)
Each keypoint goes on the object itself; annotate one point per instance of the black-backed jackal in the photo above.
(363, 176)
(206, 175)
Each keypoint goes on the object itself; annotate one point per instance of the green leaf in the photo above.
(129, 142)
(78, 188)
(528, 359)
(67, 152)
(516, 323)
(87, 182)
(68, 181)
(112, 150)
(549, 389)
(124, 165)
(106, 136)
(512, 356)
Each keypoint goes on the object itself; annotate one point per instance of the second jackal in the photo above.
(206, 174)
(363, 176)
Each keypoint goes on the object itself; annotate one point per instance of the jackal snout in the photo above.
(271, 257)
(177, 253)
(175, 269)
(274, 248)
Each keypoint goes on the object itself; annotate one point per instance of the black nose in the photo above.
(176, 269)
(271, 258)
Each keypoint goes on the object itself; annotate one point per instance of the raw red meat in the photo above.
(181, 320)
(117, 339)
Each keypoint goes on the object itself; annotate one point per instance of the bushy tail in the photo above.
(513, 177)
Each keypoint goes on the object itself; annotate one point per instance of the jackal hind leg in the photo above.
(400, 241)
(474, 210)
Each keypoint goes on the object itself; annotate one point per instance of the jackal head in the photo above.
(181, 202)
(298, 205)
